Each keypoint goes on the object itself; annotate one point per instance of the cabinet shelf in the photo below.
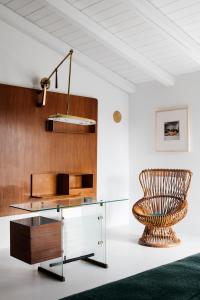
(61, 185)
(69, 128)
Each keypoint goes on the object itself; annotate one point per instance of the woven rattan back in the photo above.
(171, 182)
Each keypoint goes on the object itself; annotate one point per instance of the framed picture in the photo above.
(172, 131)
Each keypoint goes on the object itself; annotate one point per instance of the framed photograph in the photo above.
(172, 130)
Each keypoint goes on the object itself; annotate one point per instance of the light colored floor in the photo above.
(125, 258)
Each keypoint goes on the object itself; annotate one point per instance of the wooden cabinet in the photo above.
(34, 240)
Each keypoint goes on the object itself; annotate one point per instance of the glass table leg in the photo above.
(54, 266)
(96, 233)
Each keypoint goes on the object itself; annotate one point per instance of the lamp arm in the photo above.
(62, 61)
(45, 82)
(69, 81)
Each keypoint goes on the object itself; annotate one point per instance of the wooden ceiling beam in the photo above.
(45, 38)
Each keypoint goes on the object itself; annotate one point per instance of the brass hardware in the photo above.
(69, 81)
(117, 116)
(62, 61)
(45, 82)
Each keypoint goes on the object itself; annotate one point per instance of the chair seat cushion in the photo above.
(160, 210)
(156, 214)
(158, 205)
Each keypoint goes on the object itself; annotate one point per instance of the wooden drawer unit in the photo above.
(34, 240)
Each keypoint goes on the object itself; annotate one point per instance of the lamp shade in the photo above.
(71, 119)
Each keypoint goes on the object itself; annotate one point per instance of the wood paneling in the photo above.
(43, 184)
(28, 148)
(75, 181)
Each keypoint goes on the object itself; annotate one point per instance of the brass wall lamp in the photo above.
(45, 85)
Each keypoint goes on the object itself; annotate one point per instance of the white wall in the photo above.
(148, 98)
(24, 61)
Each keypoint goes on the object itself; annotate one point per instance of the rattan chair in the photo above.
(163, 205)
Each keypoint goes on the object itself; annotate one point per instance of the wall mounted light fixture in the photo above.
(65, 118)
(117, 116)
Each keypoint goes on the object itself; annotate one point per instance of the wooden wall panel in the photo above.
(26, 147)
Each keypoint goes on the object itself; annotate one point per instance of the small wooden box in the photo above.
(34, 240)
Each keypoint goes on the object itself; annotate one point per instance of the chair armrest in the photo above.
(138, 210)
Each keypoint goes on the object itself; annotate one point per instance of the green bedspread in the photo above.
(179, 280)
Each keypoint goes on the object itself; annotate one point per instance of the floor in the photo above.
(125, 258)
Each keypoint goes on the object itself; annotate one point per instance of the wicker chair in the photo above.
(163, 205)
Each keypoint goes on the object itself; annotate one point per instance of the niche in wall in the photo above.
(27, 147)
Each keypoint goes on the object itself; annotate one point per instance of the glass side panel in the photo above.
(41, 205)
(85, 233)
(55, 265)
(95, 230)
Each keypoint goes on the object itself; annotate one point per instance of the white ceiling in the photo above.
(137, 40)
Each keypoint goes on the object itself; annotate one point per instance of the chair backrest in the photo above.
(170, 182)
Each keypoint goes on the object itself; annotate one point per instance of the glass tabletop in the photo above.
(36, 205)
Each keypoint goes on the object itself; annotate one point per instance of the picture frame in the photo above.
(172, 130)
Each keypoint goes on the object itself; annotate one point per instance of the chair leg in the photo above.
(160, 237)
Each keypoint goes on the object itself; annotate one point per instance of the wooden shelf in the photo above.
(86, 192)
(61, 185)
(69, 200)
(69, 128)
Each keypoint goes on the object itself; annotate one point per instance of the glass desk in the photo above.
(83, 230)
